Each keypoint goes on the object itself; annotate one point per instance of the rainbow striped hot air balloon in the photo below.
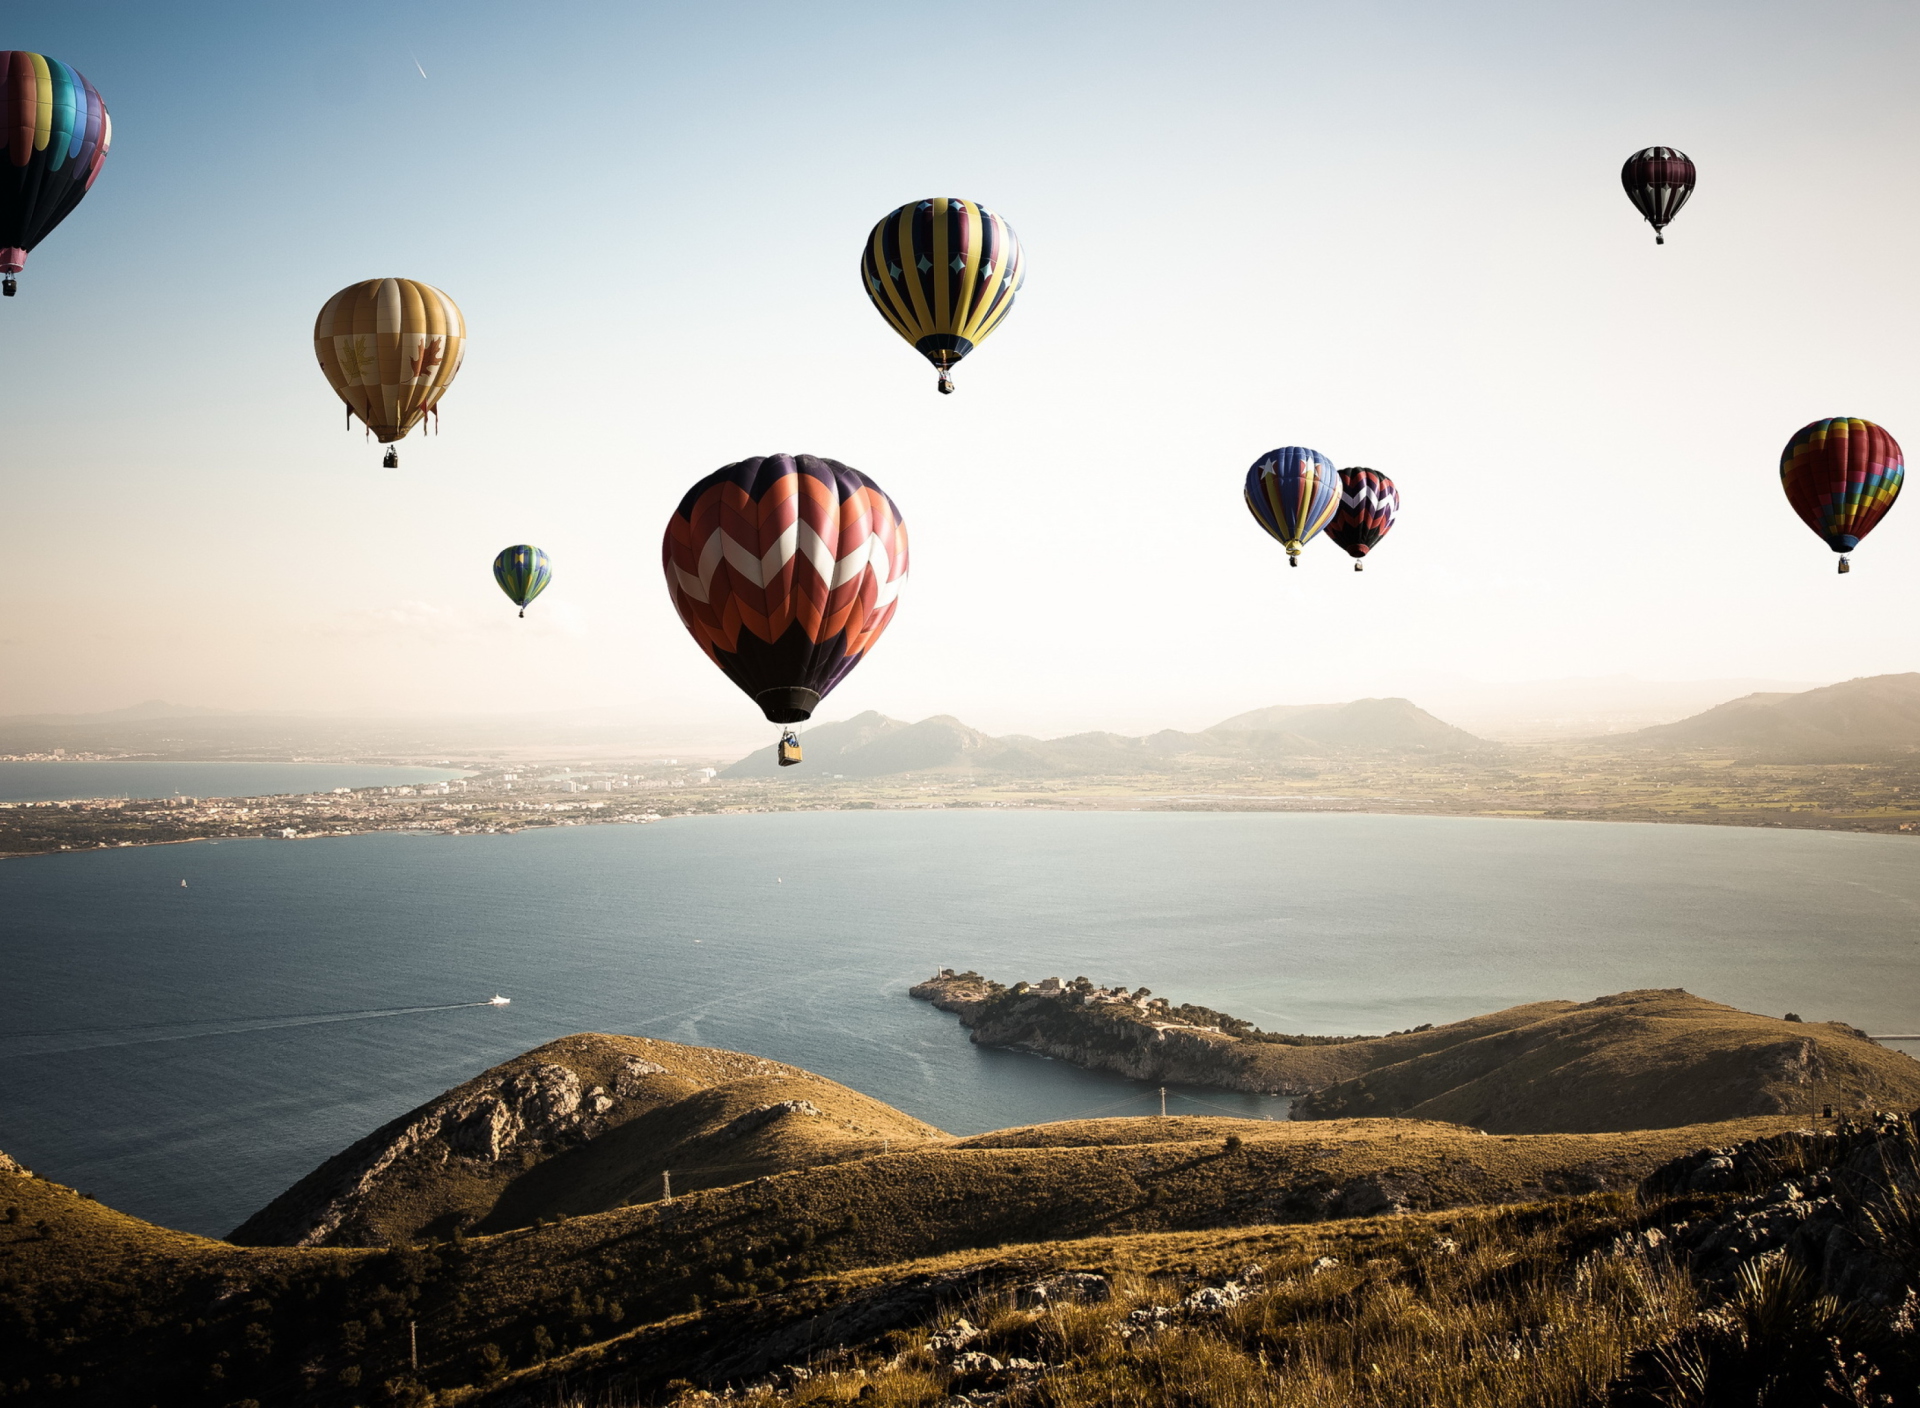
(1293, 492)
(1841, 476)
(54, 135)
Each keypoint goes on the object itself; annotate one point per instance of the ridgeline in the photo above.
(1655, 1058)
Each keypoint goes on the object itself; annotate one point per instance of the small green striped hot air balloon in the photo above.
(523, 573)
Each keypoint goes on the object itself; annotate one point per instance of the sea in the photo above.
(186, 1051)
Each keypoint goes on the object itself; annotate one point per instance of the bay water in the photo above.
(185, 1053)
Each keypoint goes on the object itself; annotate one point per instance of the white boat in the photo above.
(498, 1001)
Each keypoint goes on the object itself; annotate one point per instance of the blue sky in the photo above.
(1394, 232)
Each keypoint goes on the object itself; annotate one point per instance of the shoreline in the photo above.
(1062, 805)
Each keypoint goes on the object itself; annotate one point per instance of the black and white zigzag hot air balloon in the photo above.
(1658, 182)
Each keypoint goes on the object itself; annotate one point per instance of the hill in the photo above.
(872, 745)
(1634, 1060)
(850, 1269)
(583, 1124)
(1863, 720)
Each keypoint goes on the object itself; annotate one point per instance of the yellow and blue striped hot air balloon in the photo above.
(523, 573)
(1293, 492)
(943, 273)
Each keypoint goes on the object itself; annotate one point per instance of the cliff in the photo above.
(1650, 1059)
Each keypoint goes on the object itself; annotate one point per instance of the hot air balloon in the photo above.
(785, 569)
(55, 133)
(1841, 476)
(1368, 505)
(390, 349)
(943, 273)
(1658, 182)
(523, 573)
(1293, 491)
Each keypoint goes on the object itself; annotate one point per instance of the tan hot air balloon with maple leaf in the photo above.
(390, 349)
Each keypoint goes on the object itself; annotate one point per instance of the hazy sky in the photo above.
(1394, 232)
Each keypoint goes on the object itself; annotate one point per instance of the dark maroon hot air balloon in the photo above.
(1658, 182)
(1368, 505)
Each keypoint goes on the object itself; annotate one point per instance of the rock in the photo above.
(633, 1073)
(974, 1362)
(1325, 1263)
(1068, 1288)
(1377, 1193)
(762, 1115)
(1214, 1300)
(1713, 1176)
(950, 1341)
(7, 1165)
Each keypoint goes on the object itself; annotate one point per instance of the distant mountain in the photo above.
(1364, 723)
(872, 745)
(1860, 720)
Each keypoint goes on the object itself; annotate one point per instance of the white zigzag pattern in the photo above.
(797, 538)
(1378, 501)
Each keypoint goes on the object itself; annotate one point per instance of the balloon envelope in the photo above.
(1842, 475)
(943, 273)
(390, 349)
(785, 569)
(1368, 505)
(1293, 492)
(523, 572)
(54, 135)
(1658, 181)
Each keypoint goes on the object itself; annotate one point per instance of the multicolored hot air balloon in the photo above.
(1841, 476)
(943, 273)
(54, 135)
(390, 349)
(1658, 182)
(523, 573)
(1368, 505)
(1293, 491)
(786, 569)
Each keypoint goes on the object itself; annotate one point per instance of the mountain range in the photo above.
(873, 745)
(1876, 718)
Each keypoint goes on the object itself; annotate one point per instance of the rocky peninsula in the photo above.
(1649, 1059)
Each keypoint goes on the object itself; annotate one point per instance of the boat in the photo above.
(498, 1001)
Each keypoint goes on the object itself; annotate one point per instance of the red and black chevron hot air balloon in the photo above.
(1658, 182)
(1841, 476)
(1368, 505)
(786, 569)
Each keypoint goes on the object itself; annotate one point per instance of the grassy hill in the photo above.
(1635, 1060)
(847, 1266)
(1863, 720)
(582, 1124)
(872, 745)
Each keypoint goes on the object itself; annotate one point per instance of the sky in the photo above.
(1391, 231)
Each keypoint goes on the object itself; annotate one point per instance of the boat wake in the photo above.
(48, 1041)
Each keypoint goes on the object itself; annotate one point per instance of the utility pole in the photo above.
(1163, 1102)
(666, 1186)
(413, 1343)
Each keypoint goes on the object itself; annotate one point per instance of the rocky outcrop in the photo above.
(539, 1106)
(764, 1115)
(7, 1165)
(1648, 1059)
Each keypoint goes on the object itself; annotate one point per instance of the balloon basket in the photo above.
(1359, 566)
(9, 287)
(1845, 566)
(391, 460)
(946, 384)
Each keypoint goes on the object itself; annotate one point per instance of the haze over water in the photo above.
(186, 1053)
